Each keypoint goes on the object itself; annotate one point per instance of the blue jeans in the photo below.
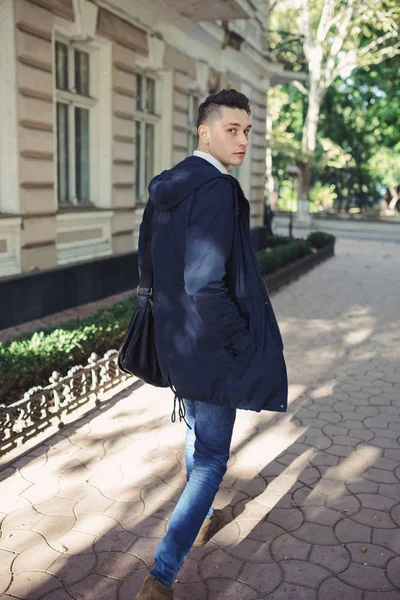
(207, 450)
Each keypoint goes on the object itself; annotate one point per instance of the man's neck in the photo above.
(211, 159)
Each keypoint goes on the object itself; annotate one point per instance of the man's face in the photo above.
(228, 137)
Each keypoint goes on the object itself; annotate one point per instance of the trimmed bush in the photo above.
(320, 239)
(270, 260)
(277, 240)
(29, 361)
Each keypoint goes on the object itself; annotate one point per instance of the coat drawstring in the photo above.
(181, 406)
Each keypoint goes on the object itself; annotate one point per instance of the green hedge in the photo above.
(30, 360)
(271, 260)
(281, 251)
(277, 240)
(320, 239)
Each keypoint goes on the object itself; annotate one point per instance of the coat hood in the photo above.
(172, 186)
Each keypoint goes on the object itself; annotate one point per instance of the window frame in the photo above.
(145, 117)
(72, 100)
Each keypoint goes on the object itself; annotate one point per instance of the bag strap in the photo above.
(145, 287)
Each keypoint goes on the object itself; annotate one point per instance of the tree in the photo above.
(338, 35)
(385, 164)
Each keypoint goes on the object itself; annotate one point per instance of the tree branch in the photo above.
(337, 44)
(352, 58)
(372, 45)
(300, 87)
(304, 22)
(325, 21)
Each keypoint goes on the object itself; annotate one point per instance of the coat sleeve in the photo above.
(208, 248)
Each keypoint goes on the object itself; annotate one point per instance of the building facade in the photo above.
(98, 96)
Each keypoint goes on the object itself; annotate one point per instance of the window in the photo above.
(73, 111)
(145, 124)
(194, 104)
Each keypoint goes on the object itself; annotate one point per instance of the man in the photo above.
(217, 339)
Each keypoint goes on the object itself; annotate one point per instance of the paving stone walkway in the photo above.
(311, 499)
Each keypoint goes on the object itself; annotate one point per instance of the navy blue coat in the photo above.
(217, 337)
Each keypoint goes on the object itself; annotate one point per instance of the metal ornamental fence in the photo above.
(45, 407)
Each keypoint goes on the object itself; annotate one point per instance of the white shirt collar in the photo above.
(211, 159)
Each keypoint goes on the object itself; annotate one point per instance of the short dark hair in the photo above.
(211, 107)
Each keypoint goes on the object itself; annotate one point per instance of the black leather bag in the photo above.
(138, 354)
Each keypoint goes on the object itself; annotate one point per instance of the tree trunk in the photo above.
(303, 187)
(311, 124)
(309, 142)
(268, 159)
(395, 198)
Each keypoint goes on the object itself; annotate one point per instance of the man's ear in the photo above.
(203, 133)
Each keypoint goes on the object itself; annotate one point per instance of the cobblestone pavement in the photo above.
(311, 498)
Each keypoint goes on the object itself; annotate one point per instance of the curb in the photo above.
(275, 281)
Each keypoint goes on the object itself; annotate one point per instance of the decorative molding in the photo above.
(62, 8)
(31, 185)
(200, 84)
(123, 162)
(30, 29)
(30, 93)
(123, 115)
(124, 92)
(124, 67)
(39, 215)
(34, 63)
(10, 231)
(86, 14)
(179, 109)
(118, 30)
(123, 186)
(177, 148)
(180, 129)
(41, 244)
(79, 235)
(124, 139)
(37, 155)
(154, 61)
(181, 90)
(71, 252)
(28, 124)
(125, 232)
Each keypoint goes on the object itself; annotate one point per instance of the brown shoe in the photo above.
(208, 529)
(154, 590)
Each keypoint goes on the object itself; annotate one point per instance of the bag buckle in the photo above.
(144, 291)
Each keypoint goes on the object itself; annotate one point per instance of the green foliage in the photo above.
(354, 65)
(322, 197)
(29, 361)
(320, 239)
(287, 199)
(271, 260)
(281, 251)
(277, 240)
(385, 165)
